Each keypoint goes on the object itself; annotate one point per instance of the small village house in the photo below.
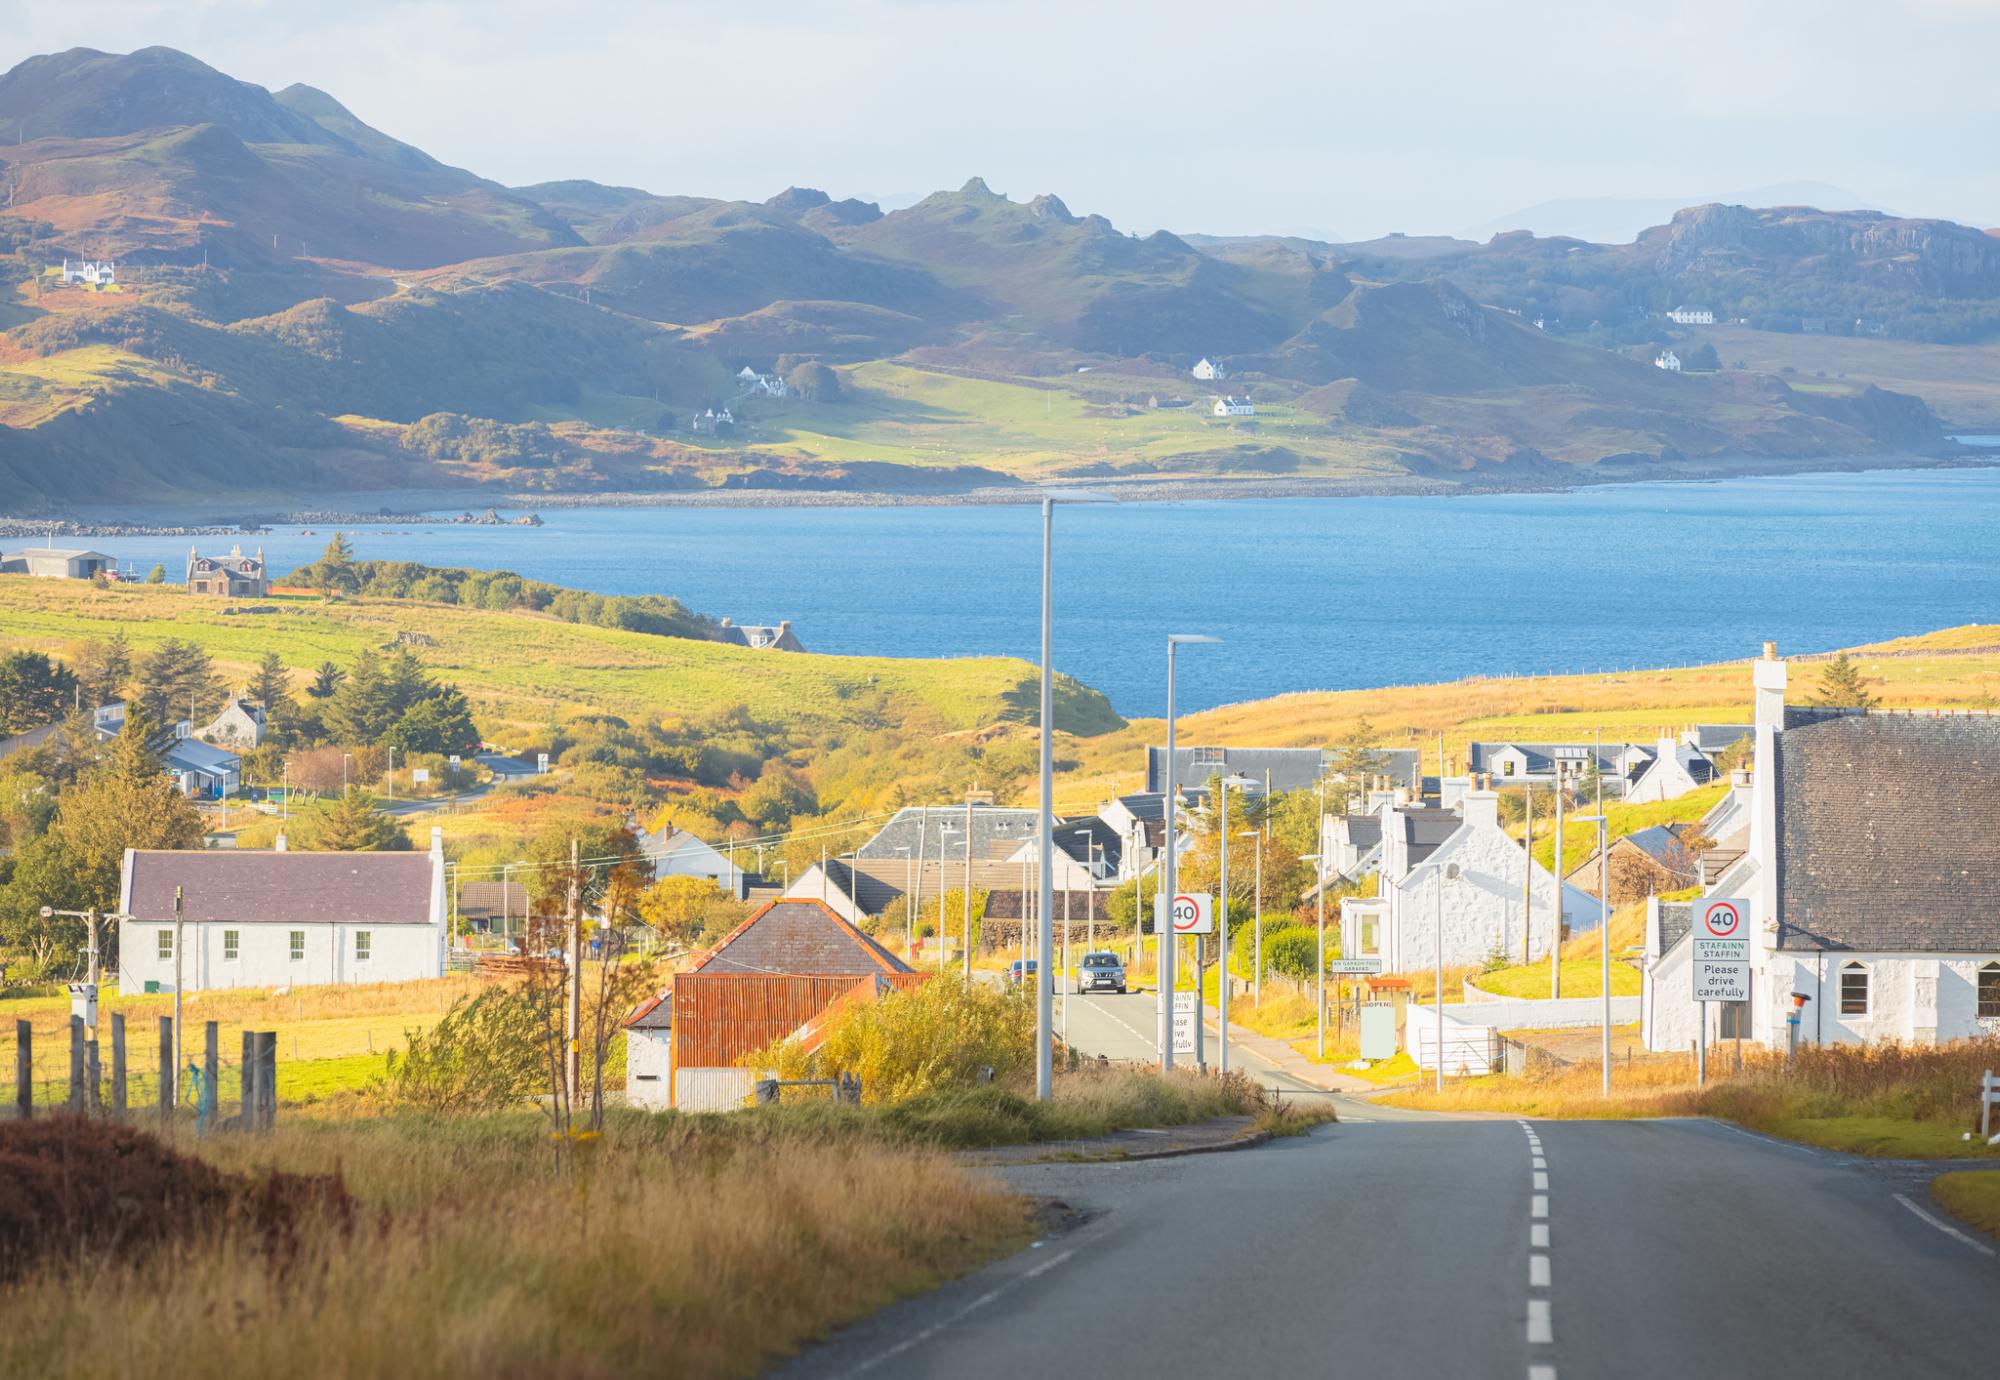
(1667, 360)
(1692, 316)
(94, 273)
(235, 576)
(1209, 370)
(239, 725)
(497, 908)
(673, 852)
(201, 770)
(256, 918)
(763, 638)
(1868, 870)
(762, 982)
(1677, 767)
(1233, 406)
(1647, 862)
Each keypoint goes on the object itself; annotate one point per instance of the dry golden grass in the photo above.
(673, 1249)
(1869, 1099)
(1953, 668)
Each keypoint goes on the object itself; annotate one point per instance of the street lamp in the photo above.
(1257, 918)
(1240, 782)
(1603, 932)
(1319, 871)
(1164, 907)
(1044, 932)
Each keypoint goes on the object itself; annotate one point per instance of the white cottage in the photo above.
(1677, 768)
(1870, 875)
(676, 853)
(1468, 888)
(252, 918)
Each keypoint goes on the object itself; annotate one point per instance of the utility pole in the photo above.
(965, 956)
(1556, 931)
(1319, 873)
(1528, 864)
(171, 1097)
(573, 1008)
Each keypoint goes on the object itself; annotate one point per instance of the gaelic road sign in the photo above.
(1194, 914)
(1354, 967)
(1721, 950)
(1184, 1022)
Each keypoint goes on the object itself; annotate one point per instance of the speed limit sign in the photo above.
(1194, 914)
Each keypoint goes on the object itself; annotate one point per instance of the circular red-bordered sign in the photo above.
(1721, 919)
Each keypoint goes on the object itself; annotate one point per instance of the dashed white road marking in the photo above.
(1147, 1040)
(918, 1338)
(1539, 1331)
(1538, 1272)
(1541, 1180)
(1538, 1206)
(1538, 1235)
(1541, 1162)
(1949, 1230)
(1541, 1373)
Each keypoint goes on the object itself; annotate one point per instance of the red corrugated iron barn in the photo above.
(770, 976)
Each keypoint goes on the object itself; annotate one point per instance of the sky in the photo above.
(1328, 119)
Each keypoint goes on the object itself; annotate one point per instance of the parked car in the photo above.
(1016, 974)
(1101, 972)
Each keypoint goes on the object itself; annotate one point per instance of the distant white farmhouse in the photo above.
(89, 272)
(677, 853)
(1692, 316)
(1235, 407)
(1668, 361)
(251, 918)
(712, 421)
(1209, 370)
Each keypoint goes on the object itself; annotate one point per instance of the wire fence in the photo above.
(50, 1083)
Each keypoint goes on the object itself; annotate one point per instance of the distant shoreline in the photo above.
(217, 518)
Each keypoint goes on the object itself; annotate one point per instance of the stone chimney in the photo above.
(1482, 807)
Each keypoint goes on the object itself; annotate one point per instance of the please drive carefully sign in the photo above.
(1184, 1022)
(1721, 950)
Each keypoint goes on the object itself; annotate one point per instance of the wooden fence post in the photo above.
(246, 1117)
(267, 1078)
(211, 1066)
(75, 1065)
(118, 1063)
(167, 1078)
(93, 1077)
(24, 1070)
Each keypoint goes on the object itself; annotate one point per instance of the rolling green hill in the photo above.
(309, 304)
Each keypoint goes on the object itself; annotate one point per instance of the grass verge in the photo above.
(1971, 1195)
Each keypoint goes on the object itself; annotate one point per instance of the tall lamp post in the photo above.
(1603, 933)
(1239, 782)
(1044, 921)
(1257, 918)
(1163, 908)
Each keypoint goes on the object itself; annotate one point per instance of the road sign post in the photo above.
(1721, 950)
(1193, 914)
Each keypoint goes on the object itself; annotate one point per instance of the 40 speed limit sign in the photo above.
(1194, 914)
(1721, 950)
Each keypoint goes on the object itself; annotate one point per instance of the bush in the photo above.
(1294, 951)
(939, 1036)
(484, 1055)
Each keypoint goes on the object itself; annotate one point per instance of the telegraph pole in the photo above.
(573, 1008)
(172, 1097)
(1528, 863)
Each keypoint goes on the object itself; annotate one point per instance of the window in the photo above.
(166, 944)
(1989, 990)
(1507, 767)
(1371, 942)
(363, 940)
(1854, 990)
(231, 945)
(298, 946)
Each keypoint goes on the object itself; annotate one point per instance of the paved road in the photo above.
(1416, 1246)
(1127, 1027)
(505, 771)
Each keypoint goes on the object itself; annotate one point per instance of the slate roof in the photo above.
(1887, 833)
(1676, 919)
(1713, 738)
(1661, 843)
(1364, 831)
(244, 886)
(1076, 836)
(483, 900)
(866, 888)
(799, 937)
(923, 827)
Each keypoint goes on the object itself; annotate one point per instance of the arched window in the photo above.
(1989, 990)
(1854, 989)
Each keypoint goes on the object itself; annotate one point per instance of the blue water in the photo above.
(1306, 593)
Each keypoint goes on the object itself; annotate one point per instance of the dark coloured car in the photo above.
(1101, 972)
(1015, 973)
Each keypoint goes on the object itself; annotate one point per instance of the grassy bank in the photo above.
(671, 1248)
(1971, 1196)
(1886, 1100)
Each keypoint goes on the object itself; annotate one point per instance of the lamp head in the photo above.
(1186, 639)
